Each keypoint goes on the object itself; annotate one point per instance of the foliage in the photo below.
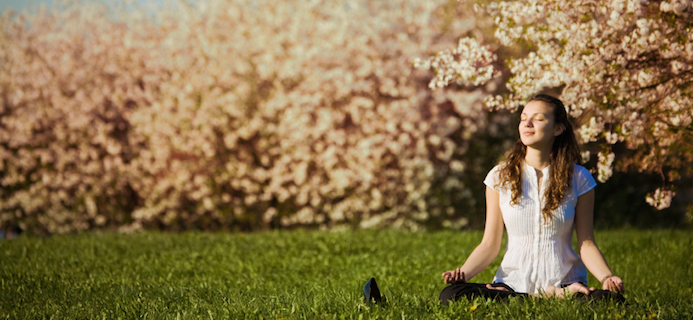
(236, 115)
(299, 274)
(624, 69)
(246, 115)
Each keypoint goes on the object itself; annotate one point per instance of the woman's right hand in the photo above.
(454, 276)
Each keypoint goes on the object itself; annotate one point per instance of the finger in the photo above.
(607, 284)
(497, 288)
(582, 288)
(550, 291)
(612, 285)
(619, 283)
(619, 286)
(575, 288)
(488, 286)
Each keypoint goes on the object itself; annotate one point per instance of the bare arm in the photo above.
(591, 256)
(489, 247)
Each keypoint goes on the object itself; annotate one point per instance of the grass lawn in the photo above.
(309, 274)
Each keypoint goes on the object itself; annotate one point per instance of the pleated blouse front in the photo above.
(540, 254)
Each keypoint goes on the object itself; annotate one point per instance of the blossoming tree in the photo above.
(624, 69)
(236, 114)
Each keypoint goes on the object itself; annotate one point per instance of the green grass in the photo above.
(308, 274)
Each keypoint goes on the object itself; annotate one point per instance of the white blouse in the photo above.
(539, 255)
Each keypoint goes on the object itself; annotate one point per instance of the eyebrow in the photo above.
(543, 114)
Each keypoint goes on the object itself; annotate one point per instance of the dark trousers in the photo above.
(471, 290)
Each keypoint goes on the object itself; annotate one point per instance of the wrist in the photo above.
(606, 277)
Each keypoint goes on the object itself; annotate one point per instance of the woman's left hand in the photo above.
(613, 284)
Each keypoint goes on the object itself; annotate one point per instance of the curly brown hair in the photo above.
(565, 152)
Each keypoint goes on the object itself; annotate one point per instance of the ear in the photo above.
(559, 128)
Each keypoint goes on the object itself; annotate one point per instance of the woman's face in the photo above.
(537, 127)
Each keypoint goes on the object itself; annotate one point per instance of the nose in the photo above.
(528, 123)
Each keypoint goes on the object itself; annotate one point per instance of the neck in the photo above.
(537, 159)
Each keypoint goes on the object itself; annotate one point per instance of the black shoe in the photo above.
(371, 292)
(601, 295)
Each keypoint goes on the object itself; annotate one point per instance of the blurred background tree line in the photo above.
(250, 115)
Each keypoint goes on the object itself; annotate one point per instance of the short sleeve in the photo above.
(492, 177)
(584, 181)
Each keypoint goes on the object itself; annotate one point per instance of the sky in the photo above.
(18, 5)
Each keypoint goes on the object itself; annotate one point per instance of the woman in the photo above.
(541, 195)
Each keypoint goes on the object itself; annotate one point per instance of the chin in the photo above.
(526, 142)
(533, 144)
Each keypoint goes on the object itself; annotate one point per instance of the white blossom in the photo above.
(661, 199)
(254, 113)
(604, 166)
(621, 64)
